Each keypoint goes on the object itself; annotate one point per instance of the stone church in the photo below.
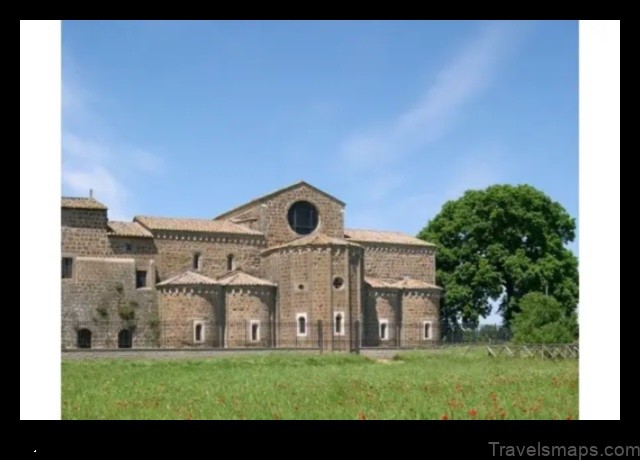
(278, 271)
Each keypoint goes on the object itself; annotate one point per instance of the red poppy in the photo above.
(444, 417)
(473, 412)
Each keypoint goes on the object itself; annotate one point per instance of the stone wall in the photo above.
(104, 280)
(142, 250)
(84, 232)
(305, 278)
(270, 215)
(176, 253)
(100, 293)
(356, 283)
(182, 309)
(397, 261)
(382, 305)
(246, 306)
(418, 307)
(84, 218)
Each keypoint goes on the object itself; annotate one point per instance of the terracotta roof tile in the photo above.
(193, 225)
(234, 278)
(240, 278)
(187, 278)
(81, 203)
(377, 236)
(133, 229)
(378, 283)
(405, 283)
(411, 283)
(317, 239)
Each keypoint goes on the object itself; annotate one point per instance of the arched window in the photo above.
(338, 326)
(125, 338)
(255, 331)
(230, 262)
(302, 324)
(383, 331)
(84, 338)
(198, 332)
(426, 330)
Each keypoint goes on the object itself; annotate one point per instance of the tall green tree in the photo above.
(500, 244)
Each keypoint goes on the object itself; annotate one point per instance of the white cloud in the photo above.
(105, 186)
(467, 74)
(434, 115)
(92, 155)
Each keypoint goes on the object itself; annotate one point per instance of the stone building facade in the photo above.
(279, 271)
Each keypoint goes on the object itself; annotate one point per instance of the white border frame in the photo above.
(251, 323)
(422, 334)
(197, 323)
(384, 321)
(344, 322)
(306, 325)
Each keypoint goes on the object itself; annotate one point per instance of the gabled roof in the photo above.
(240, 278)
(377, 236)
(378, 283)
(187, 278)
(278, 192)
(411, 283)
(317, 239)
(75, 202)
(130, 229)
(234, 278)
(406, 283)
(193, 225)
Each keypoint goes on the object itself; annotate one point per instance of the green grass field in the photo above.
(426, 385)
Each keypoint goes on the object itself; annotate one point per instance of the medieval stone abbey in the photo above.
(278, 271)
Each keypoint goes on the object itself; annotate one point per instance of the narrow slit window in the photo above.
(230, 262)
(255, 331)
(198, 333)
(383, 331)
(302, 324)
(196, 261)
(338, 323)
(426, 330)
(67, 267)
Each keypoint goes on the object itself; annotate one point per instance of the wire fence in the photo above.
(257, 334)
(481, 334)
(379, 338)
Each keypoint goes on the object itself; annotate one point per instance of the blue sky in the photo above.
(393, 117)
